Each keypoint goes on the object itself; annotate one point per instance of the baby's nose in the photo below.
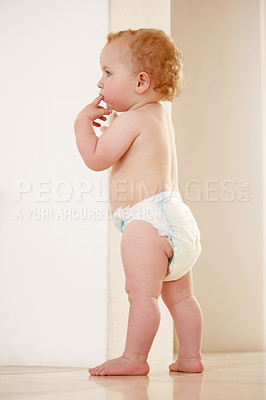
(100, 84)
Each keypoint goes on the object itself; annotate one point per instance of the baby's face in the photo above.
(118, 82)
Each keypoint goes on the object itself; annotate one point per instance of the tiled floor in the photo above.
(226, 377)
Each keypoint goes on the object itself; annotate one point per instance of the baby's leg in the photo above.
(145, 259)
(186, 312)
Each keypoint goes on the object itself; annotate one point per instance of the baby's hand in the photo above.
(103, 128)
(94, 111)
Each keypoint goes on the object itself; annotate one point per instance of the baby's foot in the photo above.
(121, 366)
(192, 365)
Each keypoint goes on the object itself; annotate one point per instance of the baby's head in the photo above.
(152, 51)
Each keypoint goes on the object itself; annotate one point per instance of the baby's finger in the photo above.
(105, 111)
(96, 124)
(97, 100)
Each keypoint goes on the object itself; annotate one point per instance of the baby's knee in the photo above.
(174, 292)
(139, 290)
(172, 301)
(141, 298)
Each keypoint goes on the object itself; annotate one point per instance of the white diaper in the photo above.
(167, 212)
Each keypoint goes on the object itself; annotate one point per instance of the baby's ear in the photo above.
(143, 82)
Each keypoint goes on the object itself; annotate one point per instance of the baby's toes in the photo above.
(93, 371)
(103, 371)
(172, 367)
(99, 370)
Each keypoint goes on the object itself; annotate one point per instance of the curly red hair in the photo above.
(155, 52)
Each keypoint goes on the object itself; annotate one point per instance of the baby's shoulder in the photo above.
(152, 116)
(132, 118)
(151, 113)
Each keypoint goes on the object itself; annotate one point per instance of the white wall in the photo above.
(53, 272)
(219, 129)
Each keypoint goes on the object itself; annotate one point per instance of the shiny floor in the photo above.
(227, 376)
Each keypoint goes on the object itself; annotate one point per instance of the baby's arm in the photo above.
(101, 153)
(86, 138)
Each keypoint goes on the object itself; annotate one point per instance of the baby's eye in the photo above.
(108, 73)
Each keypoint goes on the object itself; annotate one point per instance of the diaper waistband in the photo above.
(158, 197)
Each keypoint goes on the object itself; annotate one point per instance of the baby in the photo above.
(161, 240)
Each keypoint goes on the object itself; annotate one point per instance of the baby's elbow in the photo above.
(98, 168)
(95, 165)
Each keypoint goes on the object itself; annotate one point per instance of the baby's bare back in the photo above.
(149, 166)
